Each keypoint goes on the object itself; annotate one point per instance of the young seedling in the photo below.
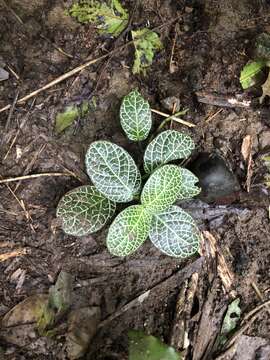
(117, 179)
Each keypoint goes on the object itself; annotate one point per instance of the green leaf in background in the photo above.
(84, 210)
(113, 171)
(162, 188)
(146, 43)
(167, 146)
(109, 17)
(135, 116)
(128, 231)
(230, 321)
(188, 188)
(71, 113)
(148, 347)
(249, 73)
(174, 232)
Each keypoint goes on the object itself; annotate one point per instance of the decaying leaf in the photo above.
(58, 302)
(230, 321)
(147, 347)
(249, 73)
(146, 43)
(109, 17)
(82, 326)
(27, 311)
(71, 113)
(246, 147)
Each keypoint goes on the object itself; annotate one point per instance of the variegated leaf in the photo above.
(167, 146)
(128, 231)
(84, 210)
(135, 116)
(174, 232)
(188, 188)
(113, 171)
(162, 188)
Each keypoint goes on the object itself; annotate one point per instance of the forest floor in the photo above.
(206, 44)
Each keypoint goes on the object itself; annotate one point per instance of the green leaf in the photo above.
(59, 302)
(135, 116)
(146, 43)
(188, 188)
(167, 146)
(71, 113)
(249, 73)
(109, 17)
(162, 188)
(84, 210)
(148, 347)
(113, 171)
(174, 232)
(230, 321)
(128, 231)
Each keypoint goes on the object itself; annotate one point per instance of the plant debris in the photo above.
(146, 43)
(71, 113)
(109, 17)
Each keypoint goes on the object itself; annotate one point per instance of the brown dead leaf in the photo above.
(27, 311)
(82, 326)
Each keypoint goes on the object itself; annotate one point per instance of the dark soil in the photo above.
(213, 42)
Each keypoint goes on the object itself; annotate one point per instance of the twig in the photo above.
(13, 12)
(173, 117)
(80, 68)
(259, 294)
(211, 117)
(223, 100)
(11, 111)
(182, 274)
(12, 254)
(34, 176)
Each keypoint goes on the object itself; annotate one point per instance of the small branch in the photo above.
(174, 117)
(34, 176)
(6, 256)
(80, 68)
(223, 100)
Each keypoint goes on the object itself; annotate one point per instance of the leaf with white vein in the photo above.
(188, 188)
(174, 232)
(128, 231)
(113, 171)
(162, 188)
(168, 146)
(135, 116)
(84, 210)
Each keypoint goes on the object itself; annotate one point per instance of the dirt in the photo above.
(213, 40)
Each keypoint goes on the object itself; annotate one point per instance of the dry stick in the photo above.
(12, 254)
(185, 272)
(34, 176)
(172, 117)
(11, 110)
(79, 68)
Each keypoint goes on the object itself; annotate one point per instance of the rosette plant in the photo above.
(117, 179)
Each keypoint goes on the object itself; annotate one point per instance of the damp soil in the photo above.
(212, 42)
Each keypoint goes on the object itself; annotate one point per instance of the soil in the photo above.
(213, 40)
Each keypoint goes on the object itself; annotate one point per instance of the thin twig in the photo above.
(11, 110)
(34, 176)
(12, 254)
(173, 117)
(80, 68)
